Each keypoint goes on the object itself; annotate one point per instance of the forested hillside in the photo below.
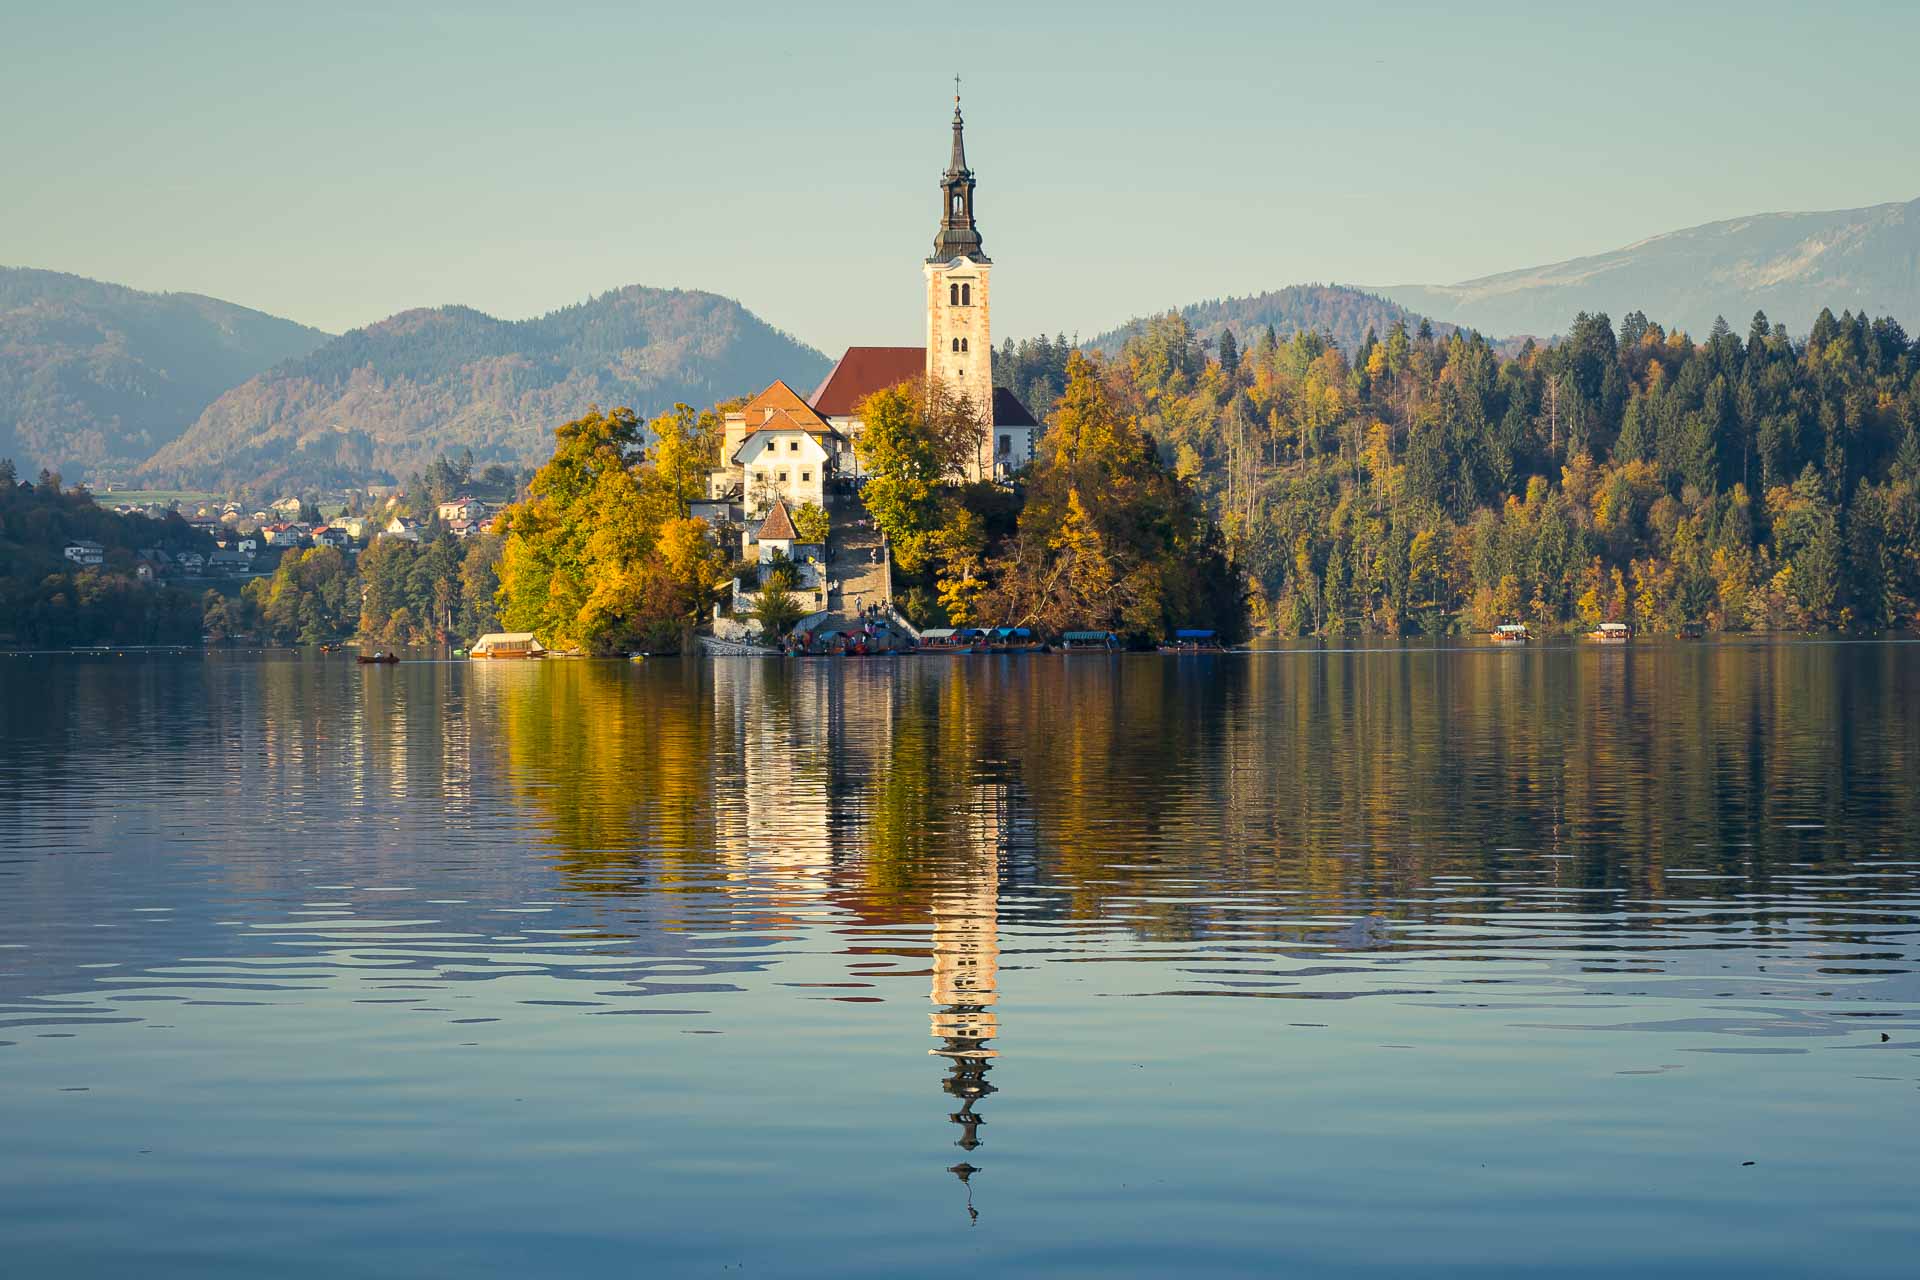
(1338, 311)
(1424, 484)
(96, 375)
(386, 399)
(47, 600)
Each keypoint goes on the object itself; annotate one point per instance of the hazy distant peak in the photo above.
(1788, 264)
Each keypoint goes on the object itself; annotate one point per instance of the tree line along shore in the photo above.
(1416, 485)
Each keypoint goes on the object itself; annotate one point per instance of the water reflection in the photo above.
(1188, 875)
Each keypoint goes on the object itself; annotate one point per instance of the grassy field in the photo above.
(141, 497)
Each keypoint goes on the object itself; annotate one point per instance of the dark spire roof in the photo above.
(958, 236)
(958, 164)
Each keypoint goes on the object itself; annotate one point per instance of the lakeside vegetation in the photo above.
(1099, 534)
(48, 601)
(603, 555)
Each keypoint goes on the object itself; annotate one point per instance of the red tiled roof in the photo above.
(778, 525)
(861, 372)
(781, 398)
(781, 420)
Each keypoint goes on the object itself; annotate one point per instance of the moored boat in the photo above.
(1089, 642)
(371, 659)
(1012, 640)
(1610, 633)
(953, 640)
(507, 644)
(1511, 633)
(1193, 640)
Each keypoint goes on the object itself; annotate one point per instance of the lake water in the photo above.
(1558, 961)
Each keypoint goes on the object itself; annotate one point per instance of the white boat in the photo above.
(507, 644)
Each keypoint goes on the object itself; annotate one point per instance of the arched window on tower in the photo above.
(963, 344)
(956, 344)
(966, 295)
(956, 202)
(953, 295)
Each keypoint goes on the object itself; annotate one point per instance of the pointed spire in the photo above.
(958, 164)
(959, 237)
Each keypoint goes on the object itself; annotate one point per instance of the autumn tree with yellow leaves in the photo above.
(601, 556)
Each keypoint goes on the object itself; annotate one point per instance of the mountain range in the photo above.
(96, 376)
(1788, 264)
(392, 396)
(100, 380)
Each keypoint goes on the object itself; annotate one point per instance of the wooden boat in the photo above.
(1089, 642)
(953, 640)
(1610, 633)
(1193, 640)
(1012, 640)
(376, 659)
(507, 644)
(1511, 633)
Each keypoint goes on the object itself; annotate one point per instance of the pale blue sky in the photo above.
(335, 163)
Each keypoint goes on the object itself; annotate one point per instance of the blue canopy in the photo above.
(1189, 633)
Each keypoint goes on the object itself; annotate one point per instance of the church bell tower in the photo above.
(959, 342)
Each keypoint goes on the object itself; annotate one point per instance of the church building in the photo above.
(769, 452)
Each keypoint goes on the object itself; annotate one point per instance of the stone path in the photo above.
(851, 562)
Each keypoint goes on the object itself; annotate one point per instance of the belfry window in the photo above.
(963, 344)
(956, 202)
(966, 295)
(956, 344)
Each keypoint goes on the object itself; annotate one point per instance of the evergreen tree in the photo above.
(1229, 353)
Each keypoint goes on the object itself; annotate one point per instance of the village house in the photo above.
(230, 564)
(85, 553)
(464, 529)
(462, 509)
(287, 507)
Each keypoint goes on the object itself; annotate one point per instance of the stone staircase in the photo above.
(856, 561)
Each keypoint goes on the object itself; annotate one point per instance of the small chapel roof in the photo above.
(778, 526)
(861, 372)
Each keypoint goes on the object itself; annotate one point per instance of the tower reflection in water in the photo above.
(892, 790)
(966, 957)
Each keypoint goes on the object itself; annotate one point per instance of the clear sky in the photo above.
(337, 162)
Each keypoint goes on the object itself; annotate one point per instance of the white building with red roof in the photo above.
(776, 448)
